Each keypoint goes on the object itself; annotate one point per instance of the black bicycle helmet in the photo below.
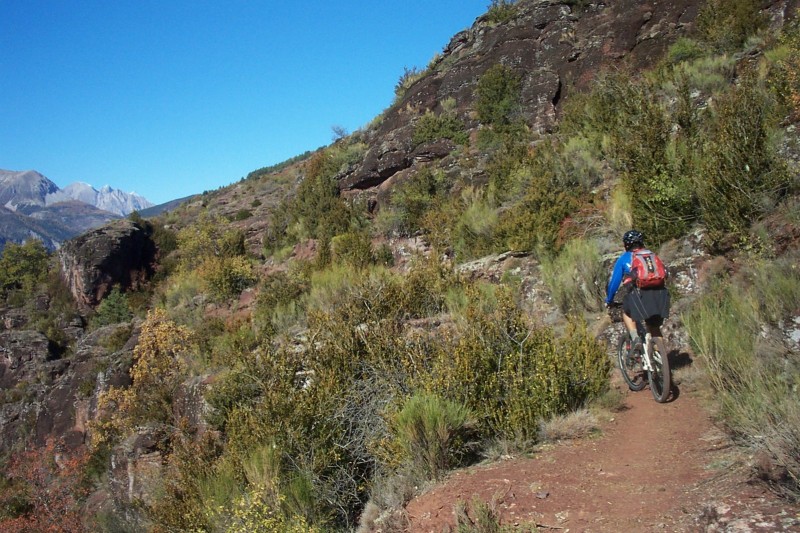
(632, 239)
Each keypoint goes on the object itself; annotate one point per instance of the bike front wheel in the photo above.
(659, 377)
(630, 364)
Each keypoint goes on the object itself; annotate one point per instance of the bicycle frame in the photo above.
(648, 342)
(652, 360)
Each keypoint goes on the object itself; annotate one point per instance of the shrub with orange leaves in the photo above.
(51, 485)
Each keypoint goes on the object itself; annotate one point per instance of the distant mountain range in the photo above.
(32, 206)
(107, 199)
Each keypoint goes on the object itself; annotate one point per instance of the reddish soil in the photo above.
(656, 467)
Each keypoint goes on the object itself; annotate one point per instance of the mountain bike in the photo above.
(648, 360)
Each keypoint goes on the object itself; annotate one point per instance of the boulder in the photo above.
(121, 253)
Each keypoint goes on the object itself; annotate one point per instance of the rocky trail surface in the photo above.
(655, 467)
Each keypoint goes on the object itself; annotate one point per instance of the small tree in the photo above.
(113, 309)
(497, 96)
(22, 267)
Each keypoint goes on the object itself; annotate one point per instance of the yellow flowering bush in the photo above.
(253, 512)
(156, 373)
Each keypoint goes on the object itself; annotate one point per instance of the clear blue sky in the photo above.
(171, 98)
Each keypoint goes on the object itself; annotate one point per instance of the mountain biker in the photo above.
(648, 305)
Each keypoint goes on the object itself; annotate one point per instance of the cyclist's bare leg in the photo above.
(630, 324)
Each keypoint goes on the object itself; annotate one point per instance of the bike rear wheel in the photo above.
(659, 377)
(630, 366)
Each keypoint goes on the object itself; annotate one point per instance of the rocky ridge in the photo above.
(555, 46)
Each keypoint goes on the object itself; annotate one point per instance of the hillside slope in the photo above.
(305, 349)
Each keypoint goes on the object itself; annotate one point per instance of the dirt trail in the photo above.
(656, 467)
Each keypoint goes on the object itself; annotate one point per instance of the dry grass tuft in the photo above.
(577, 425)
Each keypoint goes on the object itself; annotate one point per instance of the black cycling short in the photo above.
(647, 305)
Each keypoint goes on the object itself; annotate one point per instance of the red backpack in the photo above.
(647, 270)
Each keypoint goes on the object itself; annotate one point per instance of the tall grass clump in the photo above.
(434, 434)
(754, 376)
(576, 277)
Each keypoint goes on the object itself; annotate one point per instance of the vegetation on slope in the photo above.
(350, 380)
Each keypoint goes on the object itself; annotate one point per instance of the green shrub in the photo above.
(233, 390)
(227, 277)
(473, 234)
(684, 49)
(22, 268)
(740, 176)
(412, 200)
(626, 120)
(534, 223)
(726, 24)
(209, 237)
(234, 345)
(166, 239)
(434, 434)
(113, 309)
(424, 288)
(755, 386)
(497, 96)
(507, 168)
(576, 277)
(279, 303)
(512, 375)
(432, 127)
(317, 207)
(353, 249)
(242, 214)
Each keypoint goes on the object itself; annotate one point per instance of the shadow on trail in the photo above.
(677, 360)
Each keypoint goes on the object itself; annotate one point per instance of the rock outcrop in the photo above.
(554, 46)
(44, 395)
(121, 253)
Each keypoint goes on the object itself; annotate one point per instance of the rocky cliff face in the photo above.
(556, 46)
(121, 253)
(44, 394)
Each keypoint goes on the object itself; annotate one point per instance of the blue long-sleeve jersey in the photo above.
(621, 267)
